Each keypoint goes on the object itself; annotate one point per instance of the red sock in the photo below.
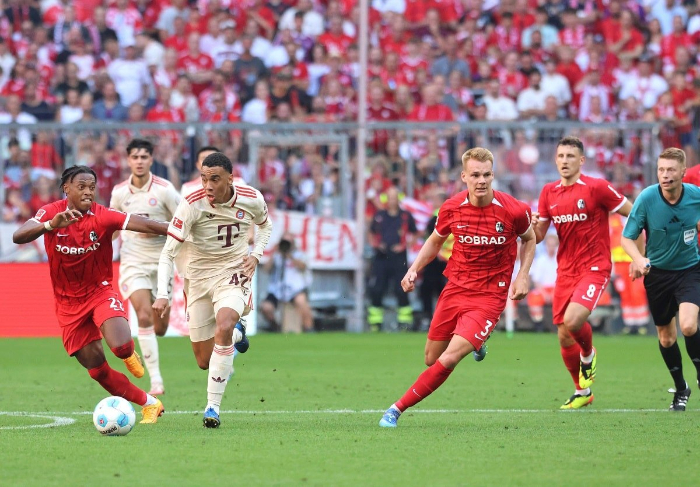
(572, 357)
(124, 351)
(584, 338)
(117, 384)
(427, 382)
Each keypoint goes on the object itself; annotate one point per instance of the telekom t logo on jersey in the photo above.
(229, 236)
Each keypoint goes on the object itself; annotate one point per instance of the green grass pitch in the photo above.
(303, 410)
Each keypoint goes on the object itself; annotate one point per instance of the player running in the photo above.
(210, 230)
(152, 197)
(669, 213)
(486, 225)
(579, 206)
(78, 239)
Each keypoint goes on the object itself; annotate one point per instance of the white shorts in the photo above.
(205, 297)
(133, 277)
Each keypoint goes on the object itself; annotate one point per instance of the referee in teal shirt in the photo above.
(669, 212)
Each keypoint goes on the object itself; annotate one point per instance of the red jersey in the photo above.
(485, 244)
(692, 175)
(80, 255)
(581, 214)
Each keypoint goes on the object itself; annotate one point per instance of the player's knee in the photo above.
(429, 359)
(225, 327)
(145, 318)
(124, 351)
(688, 327)
(160, 329)
(203, 363)
(667, 340)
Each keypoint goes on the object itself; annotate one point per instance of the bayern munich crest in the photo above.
(499, 227)
(153, 202)
(581, 204)
(239, 214)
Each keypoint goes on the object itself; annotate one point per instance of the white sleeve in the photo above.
(114, 201)
(178, 230)
(172, 199)
(262, 237)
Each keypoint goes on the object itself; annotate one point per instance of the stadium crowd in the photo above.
(263, 61)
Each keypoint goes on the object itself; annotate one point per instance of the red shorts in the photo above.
(80, 323)
(585, 290)
(470, 314)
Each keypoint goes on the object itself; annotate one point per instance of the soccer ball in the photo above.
(114, 416)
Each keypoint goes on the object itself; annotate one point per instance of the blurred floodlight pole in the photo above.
(359, 324)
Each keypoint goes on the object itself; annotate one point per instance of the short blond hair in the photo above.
(673, 154)
(478, 154)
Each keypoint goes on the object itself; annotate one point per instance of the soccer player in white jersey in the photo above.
(152, 197)
(210, 228)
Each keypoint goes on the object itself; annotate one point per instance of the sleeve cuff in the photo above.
(126, 221)
(624, 200)
(175, 237)
(441, 235)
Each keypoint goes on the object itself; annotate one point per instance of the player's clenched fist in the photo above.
(160, 306)
(408, 283)
(519, 288)
(534, 218)
(65, 218)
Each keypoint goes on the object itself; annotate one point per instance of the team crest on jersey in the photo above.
(125, 288)
(239, 214)
(93, 236)
(499, 227)
(153, 202)
(581, 204)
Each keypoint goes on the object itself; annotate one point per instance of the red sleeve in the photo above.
(521, 218)
(543, 205)
(608, 197)
(442, 224)
(45, 213)
(113, 220)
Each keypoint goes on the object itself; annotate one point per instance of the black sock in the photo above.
(692, 346)
(674, 362)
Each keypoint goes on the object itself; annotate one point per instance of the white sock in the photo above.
(394, 406)
(583, 392)
(150, 400)
(149, 351)
(220, 369)
(237, 335)
(589, 358)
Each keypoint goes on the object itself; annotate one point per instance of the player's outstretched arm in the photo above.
(640, 265)
(428, 252)
(33, 229)
(141, 224)
(540, 226)
(521, 284)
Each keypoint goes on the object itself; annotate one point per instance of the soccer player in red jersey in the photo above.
(486, 225)
(692, 175)
(579, 206)
(78, 239)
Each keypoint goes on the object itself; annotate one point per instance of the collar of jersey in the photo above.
(133, 189)
(232, 201)
(578, 181)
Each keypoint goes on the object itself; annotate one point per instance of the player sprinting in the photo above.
(669, 212)
(78, 239)
(210, 230)
(152, 197)
(579, 206)
(486, 225)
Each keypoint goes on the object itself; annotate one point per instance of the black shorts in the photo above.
(275, 301)
(667, 289)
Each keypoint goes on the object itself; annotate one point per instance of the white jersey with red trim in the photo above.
(212, 239)
(157, 200)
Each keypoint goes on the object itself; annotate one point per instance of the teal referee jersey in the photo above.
(672, 237)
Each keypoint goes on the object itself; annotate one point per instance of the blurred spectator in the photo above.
(72, 81)
(45, 190)
(289, 282)
(260, 46)
(151, 50)
(177, 9)
(44, 154)
(70, 111)
(664, 11)
(224, 47)
(109, 108)
(125, 20)
(499, 107)
(15, 209)
(257, 110)
(13, 114)
(449, 61)
(549, 34)
(102, 31)
(19, 11)
(531, 101)
(35, 105)
(311, 22)
(68, 24)
(197, 65)
(647, 86)
(247, 70)
(130, 75)
(556, 84)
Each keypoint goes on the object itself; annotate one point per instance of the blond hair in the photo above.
(673, 154)
(478, 154)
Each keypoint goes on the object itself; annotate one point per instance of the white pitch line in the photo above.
(56, 414)
(57, 420)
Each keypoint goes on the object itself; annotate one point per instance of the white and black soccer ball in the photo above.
(114, 416)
